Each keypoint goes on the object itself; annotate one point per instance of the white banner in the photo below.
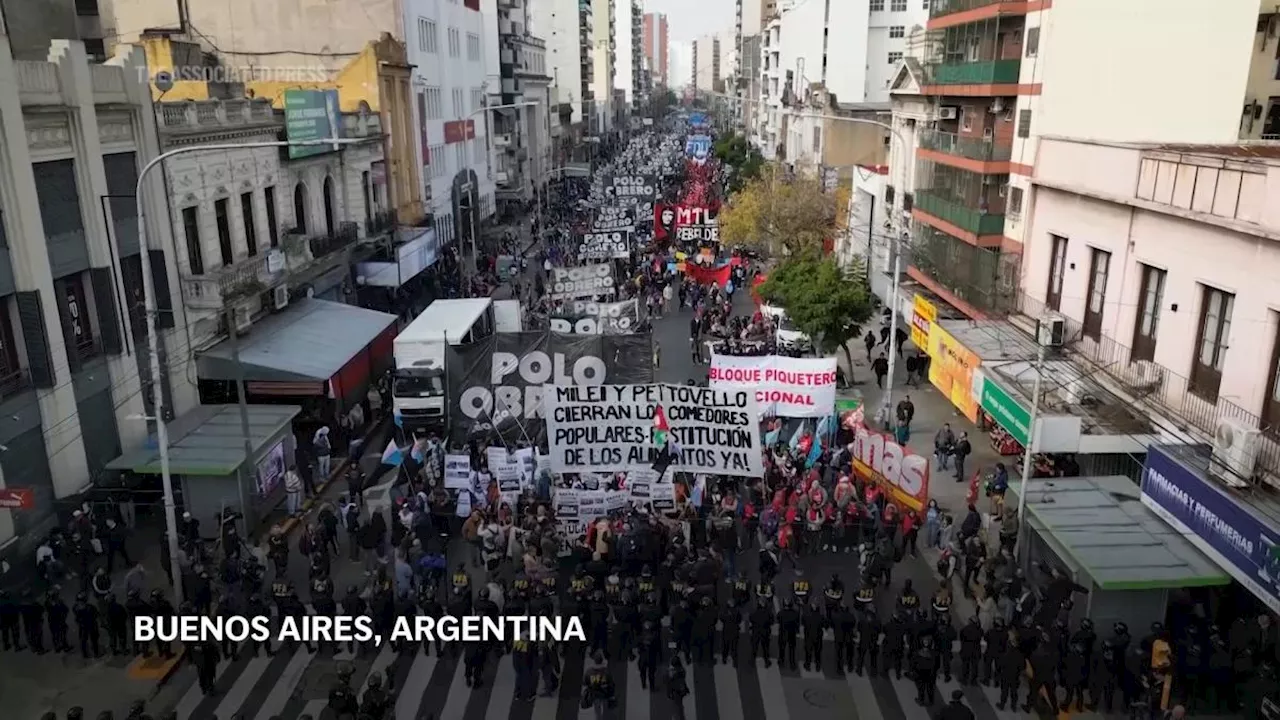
(457, 472)
(581, 317)
(580, 282)
(784, 386)
(604, 245)
(610, 427)
(506, 468)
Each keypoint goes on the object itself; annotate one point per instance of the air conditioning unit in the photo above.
(948, 113)
(243, 320)
(1051, 330)
(997, 106)
(1235, 446)
(280, 297)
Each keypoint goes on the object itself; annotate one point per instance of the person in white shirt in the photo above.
(293, 491)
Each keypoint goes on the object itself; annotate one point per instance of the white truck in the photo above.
(420, 386)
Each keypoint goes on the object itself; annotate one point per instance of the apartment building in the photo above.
(656, 49)
(707, 66)
(767, 132)
(71, 390)
(567, 26)
(450, 72)
(522, 135)
(604, 38)
(33, 25)
(630, 41)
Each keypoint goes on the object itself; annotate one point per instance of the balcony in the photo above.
(14, 383)
(968, 218)
(986, 72)
(207, 115)
(942, 8)
(984, 278)
(502, 140)
(966, 147)
(217, 289)
(356, 125)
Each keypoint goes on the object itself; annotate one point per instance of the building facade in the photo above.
(656, 50)
(628, 75)
(707, 66)
(604, 38)
(566, 26)
(450, 73)
(33, 25)
(522, 135)
(76, 136)
(358, 50)
(767, 133)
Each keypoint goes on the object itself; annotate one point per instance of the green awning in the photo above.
(209, 440)
(1099, 525)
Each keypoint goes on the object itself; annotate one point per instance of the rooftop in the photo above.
(1099, 526)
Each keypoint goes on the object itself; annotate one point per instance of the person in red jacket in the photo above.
(786, 542)
(910, 529)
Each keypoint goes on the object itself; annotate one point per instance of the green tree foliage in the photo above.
(779, 214)
(737, 152)
(825, 301)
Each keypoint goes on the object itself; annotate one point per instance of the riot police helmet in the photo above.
(81, 597)
(484, 593)
(1120, 628)
(375, 680)
(1087, 624)
(75, 713)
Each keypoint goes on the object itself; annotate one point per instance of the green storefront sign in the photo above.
(1009, 413)
(311, 115)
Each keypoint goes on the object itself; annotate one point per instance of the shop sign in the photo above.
(898, 471)
(1233, 537)
(1009, 413)
(951, 371)
(923, 317)
(17, 498)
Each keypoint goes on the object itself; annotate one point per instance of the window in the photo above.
(1212, 342)
(76, 328)
(434, 103)
(438, 169)
(330, 222)
(459, 104)
(1270, 407)
(427, 40)
(273, 229)
(250, 228)
(817, 141)
(300, 208)
(477, 151)
(925, 4)
(224, 231)
(1096, 301)
(897, 5)
(1024, 123)
(966, 119)
(897, 31)
(477, 98)
(1033, 41)
(1014, 210)
(10, 365)
(877, 5)
(894, 57)
(473, 47)
(888, 195)
(191, 230)
(1057, 267)
(460, 156)
(908, 202)
(1150, 298)
(455, 42)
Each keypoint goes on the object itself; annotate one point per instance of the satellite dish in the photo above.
(163, 80)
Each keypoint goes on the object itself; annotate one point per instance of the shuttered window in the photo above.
(36, 339)
(122, 180)
(104, 299)
(60, 212)
(164, 296)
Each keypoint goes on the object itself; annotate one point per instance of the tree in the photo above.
(828, 303)
(779, 214)
(737, 152)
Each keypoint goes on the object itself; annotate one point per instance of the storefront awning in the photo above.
(413, 255)
(209, 440)
(310, 341)
(1099, 526)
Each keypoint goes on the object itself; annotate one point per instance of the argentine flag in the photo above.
(392, 455)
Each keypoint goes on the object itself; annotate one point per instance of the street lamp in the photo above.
(153, 340)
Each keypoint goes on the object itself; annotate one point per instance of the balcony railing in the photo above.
(950, 7)
(212, 114)
(380, 222)
(13, 383)
(986, 279)
(966, 147)
(87, 348)
(972, 219)
(983, 72)
(301, 250)
(214, 290)
(1158, 388)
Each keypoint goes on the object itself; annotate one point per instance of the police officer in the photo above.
(342, 699)
(704, 632)
(647, 585)
(10, 620)
(845, 625)
(229, 606)
(1075, 676)
(429, 606)
(477, 655)
(598, 623)
(788, 629)
(542, 603)
(944, 639)
(58, 614)
(205, 657)
(908, 601)
(924, 669)
(800, 588)
(761, 630)
(626, 619)
(598, 690)
(1010, 669)
(815, 623)
(256, 608)
(764, 590)
(459, 605)
(136, 606)
(117, 621)
(516, 601)
(997, 639)
(295, 609)
(650, 654)
(834, 594)
(86, 617)
(970, 651)
(161, 606)
(1108, 669)
(730, 632)
(869, 631)
(895, 644)
(33, 622)
(682, 627)
(324, 603)
(524, 660)
(549, 662)
(376, 701)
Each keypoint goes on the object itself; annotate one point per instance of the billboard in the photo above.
(311, 115)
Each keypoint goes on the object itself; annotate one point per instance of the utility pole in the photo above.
(246, 469)
(1023, 489)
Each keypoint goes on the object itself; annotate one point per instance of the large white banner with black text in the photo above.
(580, 282)
(604, 245)
(604, 428)
(581, 317)
(784, 386)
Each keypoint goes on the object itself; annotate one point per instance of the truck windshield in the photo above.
(418, 386)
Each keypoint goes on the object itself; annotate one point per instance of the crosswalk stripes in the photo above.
(289, 685)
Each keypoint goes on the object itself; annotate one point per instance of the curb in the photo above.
(288, 525)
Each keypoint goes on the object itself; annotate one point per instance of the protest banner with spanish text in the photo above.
(784, 386)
